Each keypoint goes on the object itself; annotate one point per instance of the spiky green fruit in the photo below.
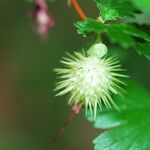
(89, 79)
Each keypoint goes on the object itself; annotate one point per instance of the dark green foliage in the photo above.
(122, 34)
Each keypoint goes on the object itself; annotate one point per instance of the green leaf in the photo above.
(143, 5)
(107, 13)
(113, 9)
(122, 34)
(143, 49)
(89, 26)
(133, 119)
(141, 19)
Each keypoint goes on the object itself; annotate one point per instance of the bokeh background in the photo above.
(30, 113)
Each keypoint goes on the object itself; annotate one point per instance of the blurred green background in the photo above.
(30, 113)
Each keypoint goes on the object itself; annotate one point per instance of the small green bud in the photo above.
(98, 49)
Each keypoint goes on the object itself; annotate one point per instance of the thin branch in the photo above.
(75, 110)
(78, 9)
(115, 21)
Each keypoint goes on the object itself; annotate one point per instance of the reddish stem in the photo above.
(78, 9)
(75, 110)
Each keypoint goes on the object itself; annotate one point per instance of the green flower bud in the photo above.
(98, 49)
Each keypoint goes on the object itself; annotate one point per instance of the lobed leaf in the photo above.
(133, 119)
(113, 9)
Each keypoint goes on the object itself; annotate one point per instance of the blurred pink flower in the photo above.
(43, 19)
